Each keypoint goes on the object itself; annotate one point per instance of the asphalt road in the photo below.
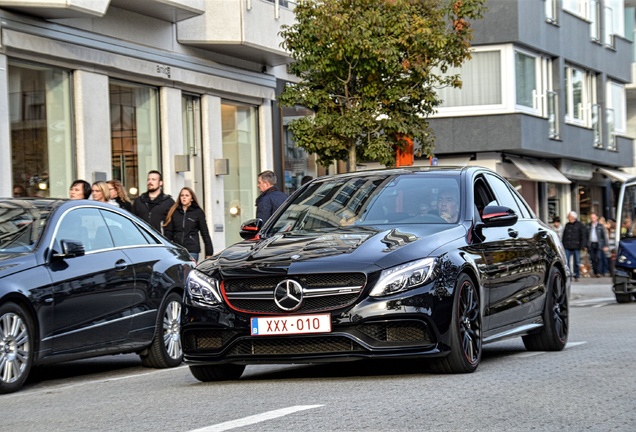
(588, 386)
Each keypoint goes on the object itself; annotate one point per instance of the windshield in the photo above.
(20, 227)
(373, 200)
(628, 213)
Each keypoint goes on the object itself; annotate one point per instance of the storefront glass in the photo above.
(41, 130)
(240, 147)
(134, 120)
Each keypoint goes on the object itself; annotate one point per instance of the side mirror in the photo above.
(251, 228)
(498, 216)
(70, 249)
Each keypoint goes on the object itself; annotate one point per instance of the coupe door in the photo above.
(92, 294)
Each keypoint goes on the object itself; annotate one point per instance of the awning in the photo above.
(617, 175)
(538, 170)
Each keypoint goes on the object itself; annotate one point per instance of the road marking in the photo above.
(536, 353)
(255, 418)
(594, 302)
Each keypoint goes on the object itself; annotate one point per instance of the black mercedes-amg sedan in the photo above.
(81, 279)
(401, 263)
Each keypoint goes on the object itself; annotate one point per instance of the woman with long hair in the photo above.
(185, 221)
(118, 195)
(100, 191)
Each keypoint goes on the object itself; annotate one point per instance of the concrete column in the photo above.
(171, 139)
(212, 148)
(6, 183)
(265, 138)
(92, 125)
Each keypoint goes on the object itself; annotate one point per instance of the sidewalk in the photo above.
(589, 287)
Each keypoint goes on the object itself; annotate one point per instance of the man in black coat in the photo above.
(574, 239)
(153, 205)
(270, 198)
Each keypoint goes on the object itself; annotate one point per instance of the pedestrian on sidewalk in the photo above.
(598, 244)
(153, 205)
(574, 239)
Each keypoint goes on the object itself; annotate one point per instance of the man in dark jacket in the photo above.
(270, 198)
(153, 205)
(574, 239)
(598, 243)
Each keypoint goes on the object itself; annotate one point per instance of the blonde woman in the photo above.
(100, 191)
(185, 221)
(118, 195)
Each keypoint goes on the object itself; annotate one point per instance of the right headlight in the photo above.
(203, 289)
(403, 277)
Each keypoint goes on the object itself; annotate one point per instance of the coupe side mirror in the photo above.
(70, 249)
(251, 228)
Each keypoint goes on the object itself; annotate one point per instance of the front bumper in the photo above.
(414, 324)
(624, 280)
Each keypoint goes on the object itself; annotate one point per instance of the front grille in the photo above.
(321, 292)
(394, 332)
(290, 346)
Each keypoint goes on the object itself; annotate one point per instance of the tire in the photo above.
(224, 372)
(623, 297)
(166, 350)
(465, 331)
(553, 336)
(16, 347)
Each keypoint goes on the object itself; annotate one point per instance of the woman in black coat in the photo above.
(185, 221)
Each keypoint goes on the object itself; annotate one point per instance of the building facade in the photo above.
(111, 89)
(544, 102)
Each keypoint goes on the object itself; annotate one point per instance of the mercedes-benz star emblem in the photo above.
(288, 295)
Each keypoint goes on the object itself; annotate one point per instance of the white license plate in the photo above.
(296, 324)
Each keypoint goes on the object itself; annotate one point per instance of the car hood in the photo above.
(15, 262)
(350, 249)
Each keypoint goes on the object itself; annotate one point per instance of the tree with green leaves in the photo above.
(369, 69)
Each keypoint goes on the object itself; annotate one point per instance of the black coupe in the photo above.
(430, 263)
(81, 279)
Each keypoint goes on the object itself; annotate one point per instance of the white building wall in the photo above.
(92, 125)
(6, 188)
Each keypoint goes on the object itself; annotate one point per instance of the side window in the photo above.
(84, 225)
(483, 196)
(505, 195)
(124, 232)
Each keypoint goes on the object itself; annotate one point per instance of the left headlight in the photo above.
(403, 277)
(203, 289)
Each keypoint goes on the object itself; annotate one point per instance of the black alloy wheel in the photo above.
(553, 336)
(465, 332)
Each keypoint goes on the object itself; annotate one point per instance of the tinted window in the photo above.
(373, 200)
(125, 232)
(84, 225)
(505, 195)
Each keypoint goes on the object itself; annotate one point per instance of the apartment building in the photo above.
(103, 89)
(545, 102)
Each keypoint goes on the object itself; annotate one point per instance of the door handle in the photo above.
(121, 265)
(513, 233)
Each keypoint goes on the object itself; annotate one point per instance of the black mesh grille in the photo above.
(206, 340)
(286, 346)
(403, 331)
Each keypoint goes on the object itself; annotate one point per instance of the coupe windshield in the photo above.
(20, 227)
(373, 200)
(628, 213)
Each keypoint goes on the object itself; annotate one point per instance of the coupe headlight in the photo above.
(403, 277)
(202, 289)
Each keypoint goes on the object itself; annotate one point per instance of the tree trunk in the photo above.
(353, 162)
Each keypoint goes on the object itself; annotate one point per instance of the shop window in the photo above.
(41, 129)
(134, 124)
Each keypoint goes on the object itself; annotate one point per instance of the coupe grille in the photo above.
(321, 292)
